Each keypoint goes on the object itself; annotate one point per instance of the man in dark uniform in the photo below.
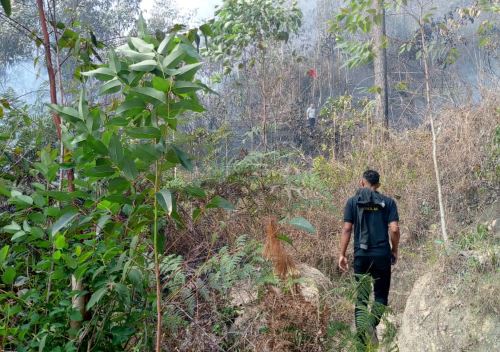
(376, 238)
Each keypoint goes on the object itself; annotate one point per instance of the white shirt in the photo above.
(311, 113)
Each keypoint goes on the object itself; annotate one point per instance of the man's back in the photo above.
(377, 221)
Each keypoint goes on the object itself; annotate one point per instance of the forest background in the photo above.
(140, 164)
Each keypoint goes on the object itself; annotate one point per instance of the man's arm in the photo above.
(394, 234)
(344, 243)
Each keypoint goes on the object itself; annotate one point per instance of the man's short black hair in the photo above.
(372, 176)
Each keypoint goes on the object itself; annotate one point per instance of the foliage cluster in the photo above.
(106, 231)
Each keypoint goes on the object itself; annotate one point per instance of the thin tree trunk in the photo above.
(434, 142)
(380, 64)
(50, 67)
(264, 104)
(157, 262)
(78, 301)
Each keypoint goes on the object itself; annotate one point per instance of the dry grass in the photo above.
(470, 181)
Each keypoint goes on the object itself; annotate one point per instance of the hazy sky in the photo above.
(203, 8)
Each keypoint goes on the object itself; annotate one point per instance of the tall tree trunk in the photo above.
(78, 301)
(48, 62)
(380, 64)
(264, 101)
(425, 57)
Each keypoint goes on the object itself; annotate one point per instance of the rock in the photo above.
(244, 295)
(494, 227)
(440, 319)
(312, 283)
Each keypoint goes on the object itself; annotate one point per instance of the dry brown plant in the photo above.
(283, 264)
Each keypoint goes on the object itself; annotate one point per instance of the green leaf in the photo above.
(56, 255)
(146, 152)
(4, 190)
(141, 45)
(195, 191)
(161, 84)
(115, 149)
(18, 235)
(129, 169)
(68, 113)
(144, 66)
(117, 198)
(183, 158)
(62, 222)
(284, 238)
(134, 106)
(151, 94)
(20, 199)
(206, 29)
(41, 345)
(196, 213)
(123, 292)
(164, 198)
(3, 254)
(141, 26)
(186, 104)
(219, 202)
(134, 55)
(165, 44)
(102, 74)
(121, 334)
(114, 62)
(118, 184)
(7, 7)
(99, 171)
(190, 51)
(12, 228)
(302, 224)
(135, 277)
(9, 275)
(110, 87)
(75, 315)
(83, 107)
(182, 87)
(60, 242)
(173, 58)
(96, 145)
(96, 297)
(191, 69)
(144, 132)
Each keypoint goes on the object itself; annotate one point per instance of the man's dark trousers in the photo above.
(379, 268)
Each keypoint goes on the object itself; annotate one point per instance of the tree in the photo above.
(362, 18)
(108, 20)
(6, 7)
(164, 14)
(106, 231)
(243, 33)
(380, 63)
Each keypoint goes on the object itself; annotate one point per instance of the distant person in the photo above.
(311, 116)
(376, 239)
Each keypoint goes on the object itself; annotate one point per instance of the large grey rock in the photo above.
(312, 283)
(438, 319)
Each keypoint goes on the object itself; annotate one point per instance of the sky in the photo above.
(203, 9)
(27, 77)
